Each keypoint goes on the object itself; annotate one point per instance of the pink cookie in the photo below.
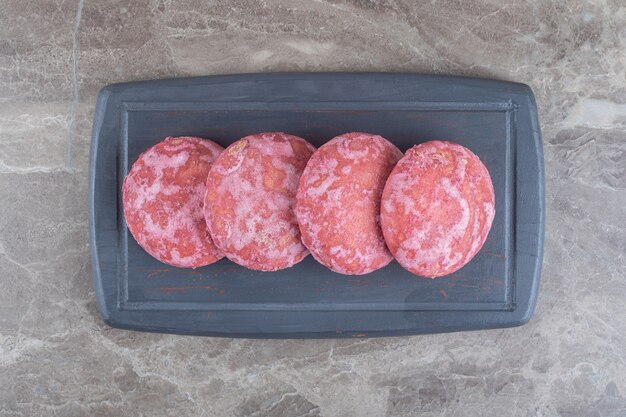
(338, 202)
(163, 196)
(251, 192)
(437, 208)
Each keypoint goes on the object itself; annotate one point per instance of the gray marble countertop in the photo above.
(58, 358)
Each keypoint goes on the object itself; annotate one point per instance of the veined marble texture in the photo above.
(57, 358)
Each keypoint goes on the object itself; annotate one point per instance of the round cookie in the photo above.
(251, 193)
(163, 197)
(338, 202)
(437, 208)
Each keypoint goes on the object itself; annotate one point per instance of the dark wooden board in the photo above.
(496, 120)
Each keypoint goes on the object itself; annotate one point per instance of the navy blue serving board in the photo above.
(496, 120)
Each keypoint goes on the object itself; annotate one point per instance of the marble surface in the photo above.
(58, 358)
